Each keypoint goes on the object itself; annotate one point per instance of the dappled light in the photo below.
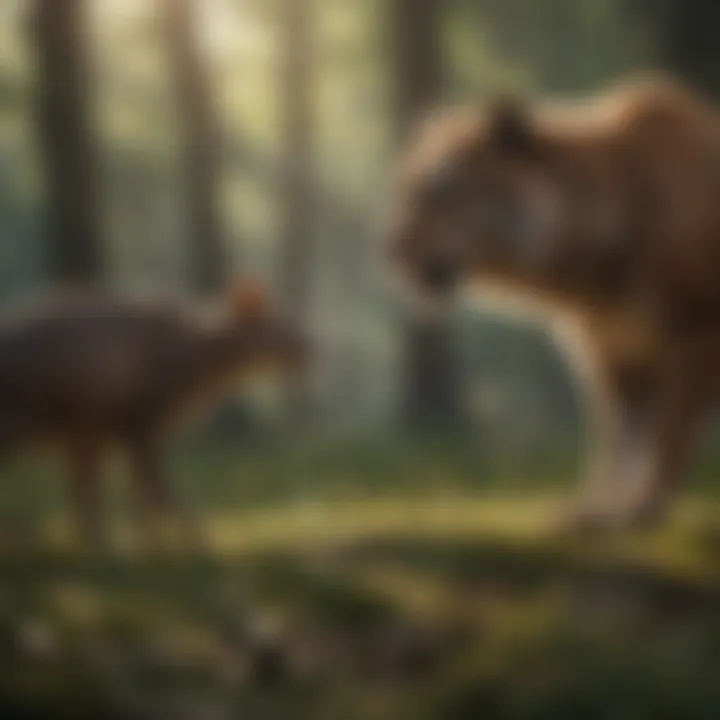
(357, 359)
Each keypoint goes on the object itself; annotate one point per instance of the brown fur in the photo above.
(608, 213)
(89, 372)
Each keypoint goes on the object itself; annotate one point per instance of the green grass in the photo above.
(269, 471)
(361, 581)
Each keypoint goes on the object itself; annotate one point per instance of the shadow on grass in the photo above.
(526, 568)
(570, 632)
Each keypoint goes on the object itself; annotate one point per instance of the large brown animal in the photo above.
(607, 214)
(88, 372)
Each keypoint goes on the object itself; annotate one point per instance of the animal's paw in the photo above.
(588, 520)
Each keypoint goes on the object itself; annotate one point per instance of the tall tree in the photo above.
(297, 192)
(687, 39)
(201, 136)
(296, 117)
(64, 101)
(689, 43)
(432, 397)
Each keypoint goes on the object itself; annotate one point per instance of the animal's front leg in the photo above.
(669, 435)
(641, 443)
(619, 447)
(157, 497)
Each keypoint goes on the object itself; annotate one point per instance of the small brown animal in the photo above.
(607, 215)
(89, 371)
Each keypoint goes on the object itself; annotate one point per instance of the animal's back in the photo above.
(87, 363)
(667, 141)
(649, 150)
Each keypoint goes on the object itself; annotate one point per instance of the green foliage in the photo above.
(557, 46)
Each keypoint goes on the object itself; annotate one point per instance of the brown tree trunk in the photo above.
(431, 374)
(296, 117)
(64, 101)
(208, 256)
(297, 191)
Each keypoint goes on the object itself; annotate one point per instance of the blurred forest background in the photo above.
(177, 144)
(173, 145)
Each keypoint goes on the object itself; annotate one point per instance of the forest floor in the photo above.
(442, 602)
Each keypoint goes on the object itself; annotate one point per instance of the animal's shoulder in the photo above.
(61, 319)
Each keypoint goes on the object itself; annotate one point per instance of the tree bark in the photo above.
(686, 39)
(296, 118)
(297, 182)
(690, 45)
(431, 397)
(67, 141)
(193, 86)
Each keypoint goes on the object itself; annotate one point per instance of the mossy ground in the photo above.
(410, 587)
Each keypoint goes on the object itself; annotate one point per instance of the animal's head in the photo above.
(257, 336)
(491, 193)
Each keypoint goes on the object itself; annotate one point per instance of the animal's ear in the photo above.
(248, 301)
(510, 126)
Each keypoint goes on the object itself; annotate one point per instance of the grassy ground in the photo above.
(350, 582)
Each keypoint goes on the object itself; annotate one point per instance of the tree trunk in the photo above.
(690, 42)
(67, 141)
(297, 191)
(208, 256)
(686, 38)
(296, 201)
(431, 374)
